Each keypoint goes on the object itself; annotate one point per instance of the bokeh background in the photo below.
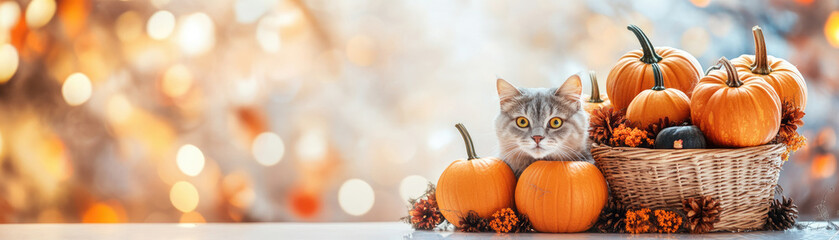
(297, 110)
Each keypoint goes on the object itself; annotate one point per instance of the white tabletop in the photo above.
(381, 230)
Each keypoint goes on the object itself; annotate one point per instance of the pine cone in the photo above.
(473, 223)
(524, 225)
(701, 213)
(602, 122)
(425, 215)
(782, 214)
(611, 219)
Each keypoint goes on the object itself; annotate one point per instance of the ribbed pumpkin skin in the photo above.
(650, 106)
(484, 185)
(784, 78)
(744, 116)
(630, 76)
(561, 196)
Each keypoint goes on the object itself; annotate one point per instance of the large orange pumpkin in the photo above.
(782, 75)
(483, 185)
(658, 102)
(561, 196)
(732, 112)
(633, 73)
(595, 100)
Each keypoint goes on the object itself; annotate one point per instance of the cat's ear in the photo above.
(571, 89)
(506, 91)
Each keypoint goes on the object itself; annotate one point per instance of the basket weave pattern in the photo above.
(742, 179)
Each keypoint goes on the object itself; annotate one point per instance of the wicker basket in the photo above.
(742, 179)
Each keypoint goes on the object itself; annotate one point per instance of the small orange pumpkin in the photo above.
(633, 74)
(732, 112)
(782, 75)
(595, 100)
(658, 102)
(483, 185)
(561, 196)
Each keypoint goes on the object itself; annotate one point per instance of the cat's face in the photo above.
(540, 122)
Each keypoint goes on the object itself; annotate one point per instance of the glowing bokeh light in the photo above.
(1, 144)
(100, 213)
(700, 3)
(176, 81)
(823, 166)
(268, 34)
(161, 24)
(312, 145)
(76, 89)
(196, 34)
(9, 15)
(39, 13)
(190, 160)
(304, 204)
(9, 61)
(356, 197)
(237, 189)
(268, 148)
(118, 109)
(184, 196)
(412, 187)
(831, 29)
(129, 26)
(192, 217)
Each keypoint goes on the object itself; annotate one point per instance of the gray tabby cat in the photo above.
(542, 124)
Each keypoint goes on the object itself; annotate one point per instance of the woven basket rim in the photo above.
(630, 149)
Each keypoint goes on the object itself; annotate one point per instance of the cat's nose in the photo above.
(537, 138)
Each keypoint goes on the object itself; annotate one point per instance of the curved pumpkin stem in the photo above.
(595, 89)
(761, 64)
(659, 78)
(733, 78)
(470, 149)
(646, 46)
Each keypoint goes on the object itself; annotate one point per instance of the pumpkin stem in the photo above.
(733, 78)
(595, 90)
(650, 56)
(761, 64)
(715, 67)
(470, 149)
(659, 79)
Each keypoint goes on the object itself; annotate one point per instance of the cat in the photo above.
(542, 124)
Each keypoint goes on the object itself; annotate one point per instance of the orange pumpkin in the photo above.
(561, 196)
(782, 75)
(658, 102)
(633, 73)
(732, 112)
(483, 185)
(595, 100)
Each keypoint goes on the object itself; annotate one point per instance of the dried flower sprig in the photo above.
(625, 136)
(638, 221)
(667, 221)
(504, 221)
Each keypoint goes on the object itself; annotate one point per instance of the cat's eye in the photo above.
(555, 122)
(522, 122)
